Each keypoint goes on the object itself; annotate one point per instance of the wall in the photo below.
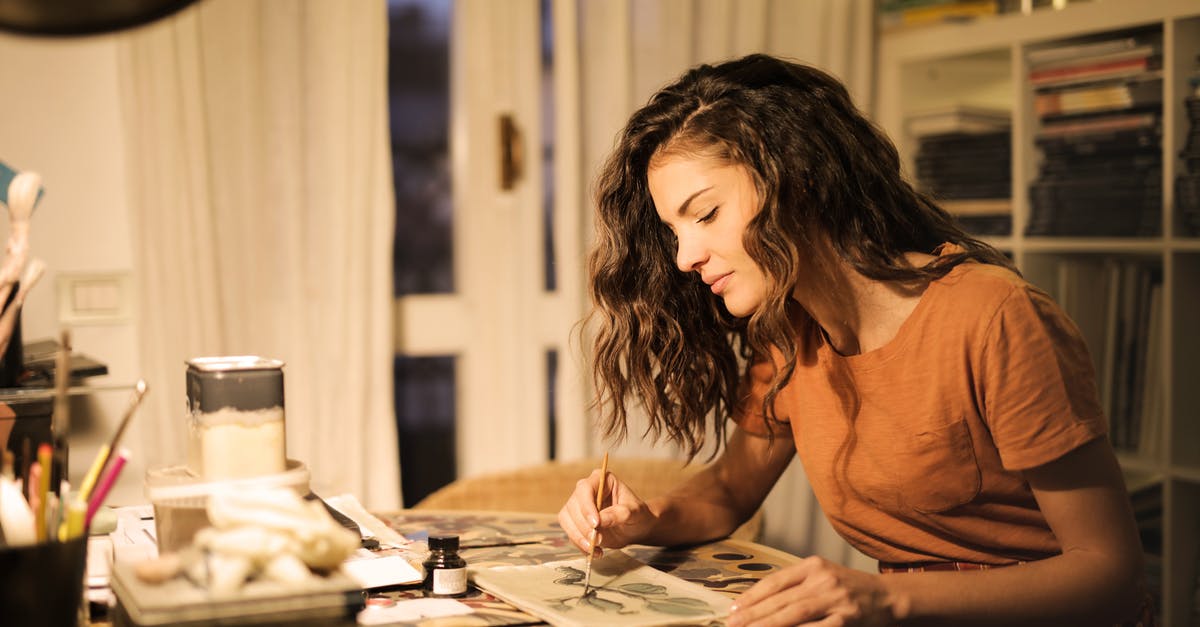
(60, 117)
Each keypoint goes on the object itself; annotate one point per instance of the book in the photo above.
(978, 206)
(1090, 72)
(1044, 57)
(1099, 98)
(1150, 282)
(1143, 143)
(1083, 294)
(1136, 52)
(1152, 406)
(934, 13)
(957, 119)
(1124, 121)
(1108, 361)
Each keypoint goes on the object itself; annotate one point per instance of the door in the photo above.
(495, 334)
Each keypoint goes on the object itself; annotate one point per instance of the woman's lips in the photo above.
(718, 286)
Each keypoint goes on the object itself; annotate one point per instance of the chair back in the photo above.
(545, 487)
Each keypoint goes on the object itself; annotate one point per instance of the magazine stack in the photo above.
(1099, 104)
(964, 161)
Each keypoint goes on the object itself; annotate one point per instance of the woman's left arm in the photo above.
(1094, 581)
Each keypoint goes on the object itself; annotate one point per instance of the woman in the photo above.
(760, 257)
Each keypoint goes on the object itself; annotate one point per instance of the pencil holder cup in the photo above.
(42, 584)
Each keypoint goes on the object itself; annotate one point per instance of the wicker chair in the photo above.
(545, 487)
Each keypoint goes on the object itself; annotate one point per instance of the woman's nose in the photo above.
(690, 253)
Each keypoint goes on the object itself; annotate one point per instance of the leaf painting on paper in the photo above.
(624, 592)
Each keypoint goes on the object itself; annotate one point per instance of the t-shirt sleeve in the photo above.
(749, 413)
(1037, 385)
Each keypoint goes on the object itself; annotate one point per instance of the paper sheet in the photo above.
(369, 524)
(415, 609)
(373, 571)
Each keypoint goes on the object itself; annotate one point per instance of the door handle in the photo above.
(512, 153)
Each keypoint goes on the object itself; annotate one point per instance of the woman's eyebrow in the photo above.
(684, 206)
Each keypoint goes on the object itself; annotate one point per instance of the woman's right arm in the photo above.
(709, 505)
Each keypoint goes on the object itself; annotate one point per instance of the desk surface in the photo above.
(727, 566)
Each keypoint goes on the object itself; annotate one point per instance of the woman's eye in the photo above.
(708, 217)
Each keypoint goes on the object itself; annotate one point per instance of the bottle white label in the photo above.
(449, 580)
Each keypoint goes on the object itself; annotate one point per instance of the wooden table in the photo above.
(727, 566)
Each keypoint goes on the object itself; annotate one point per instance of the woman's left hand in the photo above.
(811, 591)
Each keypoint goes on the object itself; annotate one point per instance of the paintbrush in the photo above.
(587, 579)
(60, 419)
(489, 545)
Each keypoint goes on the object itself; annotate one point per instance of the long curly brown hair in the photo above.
(825, 176)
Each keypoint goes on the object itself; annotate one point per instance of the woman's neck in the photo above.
(859, 314)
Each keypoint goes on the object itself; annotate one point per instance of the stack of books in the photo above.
(1100, 108)
(1187, 184)
(964, 161)
(895, 15)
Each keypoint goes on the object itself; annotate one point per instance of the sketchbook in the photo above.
(624, 592)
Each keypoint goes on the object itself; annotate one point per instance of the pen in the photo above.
(587, 580)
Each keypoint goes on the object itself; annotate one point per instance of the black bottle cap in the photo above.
(443, 543)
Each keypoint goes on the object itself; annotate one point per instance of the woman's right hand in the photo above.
(622, 520)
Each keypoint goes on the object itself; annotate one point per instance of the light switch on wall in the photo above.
(91, 298)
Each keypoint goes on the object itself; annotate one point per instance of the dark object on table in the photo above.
(43, 584)
(445, 570)
(82, 17)
(25, 417)
(40, 363)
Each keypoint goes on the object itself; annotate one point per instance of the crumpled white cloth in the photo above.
(265, 533)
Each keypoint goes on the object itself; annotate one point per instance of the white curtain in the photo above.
(630, 48)
(260, 184)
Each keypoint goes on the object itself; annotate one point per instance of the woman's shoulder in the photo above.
(978, 280)
(984, 293)
(980, 283)
(976, 293)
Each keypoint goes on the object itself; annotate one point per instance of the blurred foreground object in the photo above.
(268, 533)
(82, 17)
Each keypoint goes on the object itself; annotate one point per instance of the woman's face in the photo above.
(707, 204)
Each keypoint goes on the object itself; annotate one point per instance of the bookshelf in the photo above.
(987, 64)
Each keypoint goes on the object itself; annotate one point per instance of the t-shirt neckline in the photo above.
(899, 342)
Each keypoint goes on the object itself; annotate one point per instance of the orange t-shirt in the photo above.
(915, 450)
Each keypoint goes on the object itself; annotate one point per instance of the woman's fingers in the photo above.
(781, 598)
(579, 516)
(814, 592)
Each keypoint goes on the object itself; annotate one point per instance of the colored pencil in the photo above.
(105, 485)
(43, 490)
(105, 453)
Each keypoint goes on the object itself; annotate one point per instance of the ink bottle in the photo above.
(445, 571)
